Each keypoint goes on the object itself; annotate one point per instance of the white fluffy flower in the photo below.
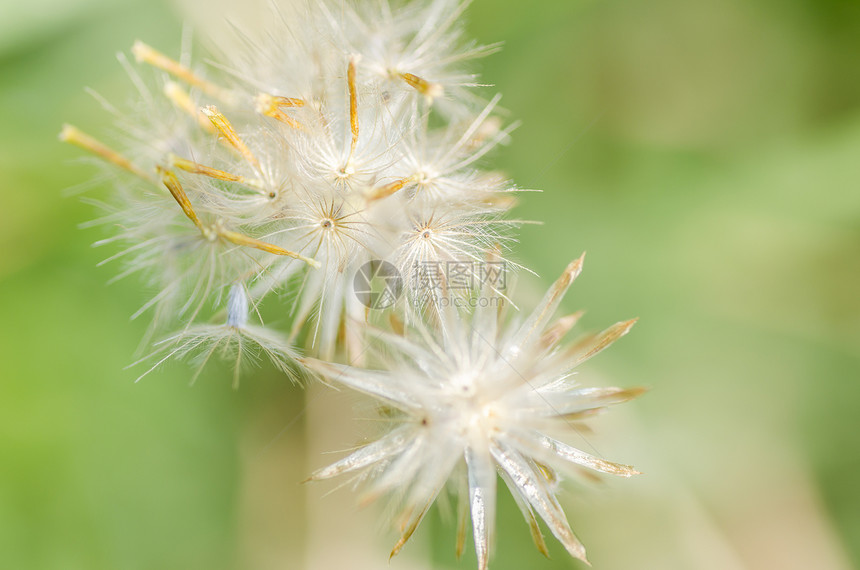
(482, 399)
(296, 158)
(414, 50)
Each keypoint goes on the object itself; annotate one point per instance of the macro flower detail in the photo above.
(479, 399)
(288, 165)
(337, 139)
(414, 51)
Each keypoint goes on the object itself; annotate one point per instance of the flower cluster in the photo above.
(305, 160)
(342, 136)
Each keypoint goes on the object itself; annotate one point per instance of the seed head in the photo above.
(475, 400)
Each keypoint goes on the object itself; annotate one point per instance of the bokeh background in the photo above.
(707, 156)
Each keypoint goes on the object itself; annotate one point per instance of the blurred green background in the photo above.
(707, 156)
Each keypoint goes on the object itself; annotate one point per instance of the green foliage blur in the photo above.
(705, 154)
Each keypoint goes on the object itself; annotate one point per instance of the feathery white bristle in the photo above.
(237, 307)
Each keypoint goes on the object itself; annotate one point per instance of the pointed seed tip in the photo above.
(66, 132)
(575, 266)
(396, 550)
(573, 317)
(137, 50)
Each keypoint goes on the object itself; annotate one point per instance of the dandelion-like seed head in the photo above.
(235, 340)
(478, 400)
(299, 161)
